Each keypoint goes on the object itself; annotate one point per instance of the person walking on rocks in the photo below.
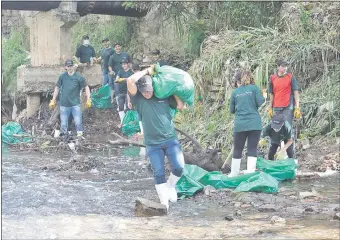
(278, 130)
(244, 103)
(160, 136)
(284, 93)
(69, 84)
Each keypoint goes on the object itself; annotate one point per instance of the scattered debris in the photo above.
(277, 219)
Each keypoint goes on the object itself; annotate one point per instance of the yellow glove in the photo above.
(119, 80)
(88, 103)
(52, 104)
(297, 113)
(280, 155)
(262, 143)
(270, 112)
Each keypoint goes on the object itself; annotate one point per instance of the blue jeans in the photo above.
(156, 153)
(113, 85)
(105, 77)
(65, 114)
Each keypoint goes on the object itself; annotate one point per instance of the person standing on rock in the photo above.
(69, 84)
(244, 103)
(278, 130)
(122, 98)
(160, 135)
(105, 55)
(284, 93)
(85, 54)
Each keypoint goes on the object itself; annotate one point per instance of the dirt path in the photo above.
(92, 197)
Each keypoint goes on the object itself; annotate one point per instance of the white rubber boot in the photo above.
(121, 116)
(235, 167)
(162, 191)
(171, 183)
(251, 164)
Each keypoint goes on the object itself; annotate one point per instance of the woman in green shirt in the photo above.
(244, 103)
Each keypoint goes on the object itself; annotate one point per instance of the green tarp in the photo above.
(102, 98)
(170, 81)
(265, 180)
(11, 128)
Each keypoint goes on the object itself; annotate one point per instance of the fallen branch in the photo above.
(194, 141)
(126, 142)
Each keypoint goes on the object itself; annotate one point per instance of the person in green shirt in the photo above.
(244, 103)
(156, 59)
(69, 84)
(159, 133)
(278, 130)
(121, 96)
(105, 55)
(85, 54)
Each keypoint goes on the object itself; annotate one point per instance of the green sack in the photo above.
(258, 182)
(102, 98)
(189, 183)
(170, 81)
(130, 123)
(11, 128)
(280, 169)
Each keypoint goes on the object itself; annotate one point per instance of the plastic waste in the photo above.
(170, 81)
(102, 98)
(279, 169)
(130, 123)
(9, 129)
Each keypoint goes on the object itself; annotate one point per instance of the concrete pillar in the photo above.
(50, 36)
(33, 103)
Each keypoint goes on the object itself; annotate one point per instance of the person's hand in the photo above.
(88, 103)
(112, 73)
(52, 104)
(262, 142)
(270, 112)
(151, 70)
(129, 105)
(119, 80)
(297, 113)
(280, 155)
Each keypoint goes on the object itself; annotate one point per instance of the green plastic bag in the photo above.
(11, 128)
(130, 123)
(280, 169)
(170, 81)
(189, 183)
(102, 98)
(258, 182)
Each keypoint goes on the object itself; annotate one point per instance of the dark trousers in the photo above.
(240, 138)
(273, 149)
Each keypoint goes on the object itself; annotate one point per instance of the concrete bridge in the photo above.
(50, 37)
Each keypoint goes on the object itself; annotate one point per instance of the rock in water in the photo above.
(147, 208)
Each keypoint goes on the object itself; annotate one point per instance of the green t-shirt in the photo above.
(155, 115)
(70, 87)
(285, 133)
(244, 102)
(105, 54)
(84, 53)
(294, 87)
(122, 86)
(116, 59)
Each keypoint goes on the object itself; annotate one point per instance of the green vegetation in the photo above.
(14, 53)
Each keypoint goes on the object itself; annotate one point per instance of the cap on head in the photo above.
(86, 37)
(105, 40)
(117, 44)
(68, 63)
(282, 63)
(124, 61)
(277, 122)
(135, 67)
(145, 84)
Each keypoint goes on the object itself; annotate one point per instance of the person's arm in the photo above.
(259, 97)
(180, 103)
(232, 103)
(55, 94)
(87, 93)
(265, 131)
(131, 81)
(295, 90)
(129, 101)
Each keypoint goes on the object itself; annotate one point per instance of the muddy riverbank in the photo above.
(93, 196)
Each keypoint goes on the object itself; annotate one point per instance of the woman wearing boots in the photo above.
(244, 103)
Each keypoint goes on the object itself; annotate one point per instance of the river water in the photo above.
(92, 196)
